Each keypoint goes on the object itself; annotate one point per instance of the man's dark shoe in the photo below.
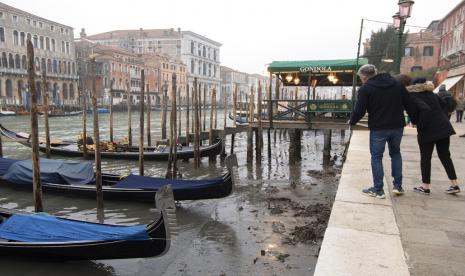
(463, 135)
(371, 192)
(453, 190)
(422, 190)
(398, 191)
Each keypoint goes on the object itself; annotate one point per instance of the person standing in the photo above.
(385, 99)
(459, 109)
(448, 99)
(429, 113)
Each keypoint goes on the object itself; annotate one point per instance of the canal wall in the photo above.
(362, 237)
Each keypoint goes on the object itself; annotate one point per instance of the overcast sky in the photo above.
(253, 33)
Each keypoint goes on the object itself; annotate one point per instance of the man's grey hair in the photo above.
(367, 70)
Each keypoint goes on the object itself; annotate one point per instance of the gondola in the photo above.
(63, 114)
(78, 179)
(71, 149)
(46, 237)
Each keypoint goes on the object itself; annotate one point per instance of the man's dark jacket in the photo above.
(385, 100)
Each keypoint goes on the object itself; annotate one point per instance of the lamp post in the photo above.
(400, 19)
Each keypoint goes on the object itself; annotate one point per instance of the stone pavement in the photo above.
(410, 234)
(432, 228)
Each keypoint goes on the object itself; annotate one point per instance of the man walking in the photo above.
(460, 108)
(384, 99)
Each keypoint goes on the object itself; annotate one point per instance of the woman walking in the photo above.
(434, 129)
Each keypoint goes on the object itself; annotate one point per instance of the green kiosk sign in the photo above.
(330, 106)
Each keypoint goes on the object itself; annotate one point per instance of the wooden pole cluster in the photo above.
(98, 161)
(149, 112)
(47, 126)
(199, 103)
(196, 125)
(111, 111)
(163, 112)
(141, 123)
(172, 162)
(235, 106)
(178, 107)
(270, 114)
(129, 102)
(37, 187)
(250, 118)
(214, 105)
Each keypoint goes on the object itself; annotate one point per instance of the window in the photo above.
(52, 28)
(53, 45)
(49, 66)
(15, 38)
(4, 60)
(67, 47)
(34, 23)
(428, 51)
(41, 42)
(204, 51)
(192, 47)
(61, 30)
(2, 34)
(62, 46)
(24, 62)
(15, 18)
(28, 21)
(55, 66)
(36, 41)
(17, 62)
(408, 52)
(22, 39)
(11, 61)
(1, 14)
(43, 64)
(47, 43)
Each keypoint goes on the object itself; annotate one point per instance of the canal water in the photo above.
(271, 225)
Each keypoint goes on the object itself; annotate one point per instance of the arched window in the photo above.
(69, 67)
(67, 47)
(59, 67)
(74, 68)
(17, 62)
(20, 91)
(15, 37)
(65, 91)
(9, 88)
(24, 62)
(22, 39)
(43, 65)
(47, 43)
(204, 51)
(36, 41)
(4, 60)
(2, 34)
(49, 66)
(53, 45)
(37, 64)
(11, 61)
(41, 44)
(71, 91)
(55, 66)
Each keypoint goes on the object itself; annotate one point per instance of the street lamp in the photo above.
(399, 21)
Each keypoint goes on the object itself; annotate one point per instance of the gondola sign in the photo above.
(315, 68)
(330, 106)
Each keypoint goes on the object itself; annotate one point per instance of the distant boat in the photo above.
(99, 110)
(7, 113)
(63, 114)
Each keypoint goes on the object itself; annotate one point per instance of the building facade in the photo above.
(199, 55)
(422, 50)
(54, 53)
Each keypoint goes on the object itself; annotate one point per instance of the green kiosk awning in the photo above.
(316, 72)
(316, 65)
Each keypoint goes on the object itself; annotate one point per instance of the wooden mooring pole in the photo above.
(141, 122)
(37, 187)
(47, 126)
(84, 122)
(98, 161)
(250, 119)
(212, 121)
(129, 102)
(187, 113)
(196, 125)
(149, 112)
(163, 111)
(111, 111)
(259, 137)
(204, 125)
(172, 162)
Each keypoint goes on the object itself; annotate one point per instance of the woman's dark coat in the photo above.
(429, 113)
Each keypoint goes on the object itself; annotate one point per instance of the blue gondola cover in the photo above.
(51, 171)
(42, 227)
(5, 164)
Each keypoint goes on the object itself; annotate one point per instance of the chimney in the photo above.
(83, 34)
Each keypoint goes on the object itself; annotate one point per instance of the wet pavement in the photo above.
(272, 224)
